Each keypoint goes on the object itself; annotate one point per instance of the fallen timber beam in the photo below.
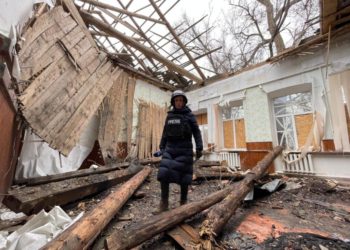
(69, 175)
(78, 173)
(203, 163)
(86, 229)
(152, 226)
(34, 198)
(222, 212)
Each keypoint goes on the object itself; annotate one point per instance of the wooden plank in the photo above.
(62, 98)
(84, 112)
(240, 133)
(43, 58)
(130, 110)
(303, 125)
(186, 236)
(34, 198)
(112, 113)
(44, 22)
(228, 134)
(69, 175)
(75, 13)
(72, 102)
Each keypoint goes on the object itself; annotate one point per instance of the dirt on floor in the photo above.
(304, 213)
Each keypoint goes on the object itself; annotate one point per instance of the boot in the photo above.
(163, 206)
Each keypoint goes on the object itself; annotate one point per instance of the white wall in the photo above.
(294, 73)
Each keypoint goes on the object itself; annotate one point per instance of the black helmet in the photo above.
(178, 93)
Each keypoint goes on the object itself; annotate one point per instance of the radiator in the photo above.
(303, 165)
(232, 159)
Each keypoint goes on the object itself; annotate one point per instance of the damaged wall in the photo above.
(68, 79)
(257, 88)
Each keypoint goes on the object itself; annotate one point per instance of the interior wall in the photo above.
(149, 93)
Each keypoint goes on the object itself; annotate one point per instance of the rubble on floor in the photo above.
(302, 213)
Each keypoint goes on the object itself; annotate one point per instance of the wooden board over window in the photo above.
(68, 79)
(228, 134)
(240, 133)
(202, 119)
(303, 124)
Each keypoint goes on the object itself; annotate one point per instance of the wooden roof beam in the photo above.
(201, 56)
(133, 43)
(123, 11)
(177, 39)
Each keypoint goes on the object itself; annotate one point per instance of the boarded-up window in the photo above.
(202, 119)
(234, 128)
(293, 119)
(303, 124)
(228, 134)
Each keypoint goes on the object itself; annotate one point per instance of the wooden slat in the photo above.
(44, 22)
(130, 109)
(85, 111)
(111, 117)
(75, 13)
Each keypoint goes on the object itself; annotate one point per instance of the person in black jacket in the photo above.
(176, 146)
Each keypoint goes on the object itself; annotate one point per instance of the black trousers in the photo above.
(164, 187)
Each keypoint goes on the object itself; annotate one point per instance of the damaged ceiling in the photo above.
(138, 35)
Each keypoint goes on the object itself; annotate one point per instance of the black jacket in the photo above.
(176, 165)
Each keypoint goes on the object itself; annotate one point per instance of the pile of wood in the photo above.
(45, 192)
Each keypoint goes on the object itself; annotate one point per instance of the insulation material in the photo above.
(68, 79)
(336, 101)
(38, 159)
(39, 230)
(151, 121)
(112, 116)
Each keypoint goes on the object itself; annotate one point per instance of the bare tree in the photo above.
(252, 31)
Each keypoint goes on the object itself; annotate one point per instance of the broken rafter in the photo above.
(133, 43)
(123, 11)
(177, 39)
(148, 78)
(141, 33)
(201, 56)
(119, 20)
(185, 30)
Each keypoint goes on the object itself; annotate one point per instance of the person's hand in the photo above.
(198, 154)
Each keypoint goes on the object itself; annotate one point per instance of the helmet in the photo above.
(178, 93)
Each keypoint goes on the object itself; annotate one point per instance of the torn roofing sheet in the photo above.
(68, 79)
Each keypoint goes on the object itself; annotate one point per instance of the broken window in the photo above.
(293, 116)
